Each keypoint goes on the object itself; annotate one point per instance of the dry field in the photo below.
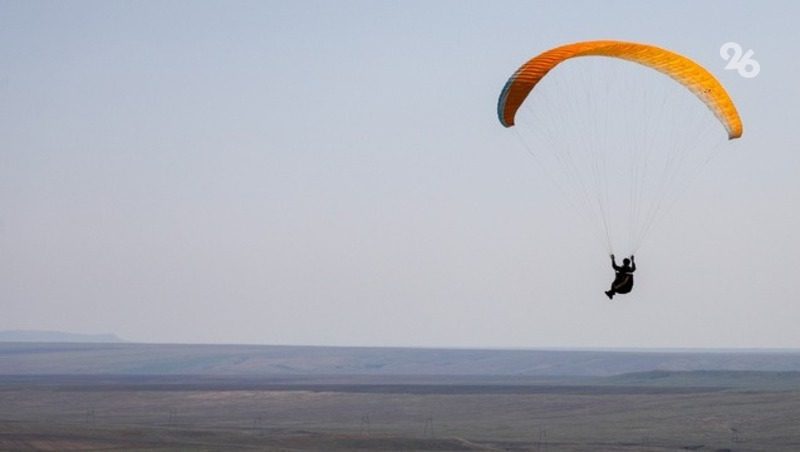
(83, 413)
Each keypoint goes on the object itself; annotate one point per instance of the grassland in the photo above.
(655, 410)
(178, 413)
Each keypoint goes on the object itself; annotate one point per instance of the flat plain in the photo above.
(655, 410)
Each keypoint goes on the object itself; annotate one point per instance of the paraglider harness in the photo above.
(623, 280)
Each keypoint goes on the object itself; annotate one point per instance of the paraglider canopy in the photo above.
(683, 70)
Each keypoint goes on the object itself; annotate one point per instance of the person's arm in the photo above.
(633, 264)
(614, 263)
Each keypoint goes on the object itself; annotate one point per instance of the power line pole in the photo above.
(90, 418)
(365, 425)
(428, 429)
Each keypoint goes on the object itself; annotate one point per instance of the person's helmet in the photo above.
(626, 261)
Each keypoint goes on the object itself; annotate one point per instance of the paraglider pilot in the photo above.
(623, 281)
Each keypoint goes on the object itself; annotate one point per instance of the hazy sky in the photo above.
(334, 173)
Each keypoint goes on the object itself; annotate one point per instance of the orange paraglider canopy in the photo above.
(683, 70)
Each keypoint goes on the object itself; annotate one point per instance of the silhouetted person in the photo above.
(623, 281)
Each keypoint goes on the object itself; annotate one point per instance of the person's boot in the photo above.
(610, 294)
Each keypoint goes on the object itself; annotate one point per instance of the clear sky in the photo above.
(334, 173)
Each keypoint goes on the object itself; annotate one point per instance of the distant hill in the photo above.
(275, 361)
(56, 336)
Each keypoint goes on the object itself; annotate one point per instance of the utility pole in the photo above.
(90, 418)
(173, 416)
(365, 425)
(428, 430)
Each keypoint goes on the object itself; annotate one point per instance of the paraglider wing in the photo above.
(683, 70)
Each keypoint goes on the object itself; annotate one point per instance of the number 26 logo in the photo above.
(744, 64)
